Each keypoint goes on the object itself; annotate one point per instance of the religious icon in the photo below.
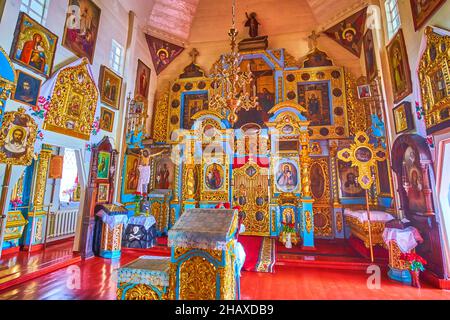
(17, 138)
(81, 29)
(422, 10)
(414, 177)
(107, 120)
(317, 181)
(399, 67)
(74, 105)
(162, 52)
(252, 24)
(165, 173)
(131, 181)
(33, 46)
(348, 178)
(110, 85)
(363, 154)
(349, 32)
(287, 177)
(370, 59)
(214, 177)
(384, 177)
(316, 100)
(104, 163)
(403, 117)
(27, 90)
(263, 86)
(142, 80)
(364, 91)
(103, 193)
(193, 103)
(242, 195)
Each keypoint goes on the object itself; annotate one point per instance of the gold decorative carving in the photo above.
(41, 178)
(358, 113)
(363, 155)
(73, 103)
(434, 76)
(197, 279)
(160, 133)
(139, 292)
(308, 221)
(251, 193)
(339, 221)
(361, 230)
(324, 229)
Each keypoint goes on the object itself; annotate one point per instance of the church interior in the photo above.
(224, 150)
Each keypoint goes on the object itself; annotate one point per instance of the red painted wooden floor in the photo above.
(97, 282)
(23, 266)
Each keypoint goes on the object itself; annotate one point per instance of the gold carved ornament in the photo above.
(18, 121)
(138, 292)
(338, 101)
(434, 76)
(251, 183)
(73, 103)
(308, 221)
(41, 178)
(197, 279)
(364, 156)
(160, 134)
(357, 112)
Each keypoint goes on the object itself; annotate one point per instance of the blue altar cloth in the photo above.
(204, 229)
(113, 221)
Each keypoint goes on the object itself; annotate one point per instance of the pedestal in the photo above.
(111, 245)
(398, 270)
(252, 44)
(160, 208)
(144, 279)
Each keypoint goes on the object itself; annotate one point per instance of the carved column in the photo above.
(338, 214)
(307, 229)
(334, 174)
(37, 216)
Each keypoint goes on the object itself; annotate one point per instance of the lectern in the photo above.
(203, 264)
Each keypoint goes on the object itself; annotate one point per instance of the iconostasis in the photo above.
(254, 166)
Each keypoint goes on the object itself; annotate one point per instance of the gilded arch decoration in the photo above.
(73, 102)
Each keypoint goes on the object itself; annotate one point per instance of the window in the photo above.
(117, 57)
(393, 17)
(69, 179)
(36, 9)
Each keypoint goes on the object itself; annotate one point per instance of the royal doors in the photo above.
(251, 194)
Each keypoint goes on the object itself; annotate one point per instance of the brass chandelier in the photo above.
(230, 84)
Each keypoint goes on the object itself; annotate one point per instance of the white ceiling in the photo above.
(209, 20)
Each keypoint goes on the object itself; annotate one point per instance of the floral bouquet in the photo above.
(138, 198)
(16, 203)
(415, 264)
(288, 228)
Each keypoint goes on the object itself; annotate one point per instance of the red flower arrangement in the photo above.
(414, 261)
(288, 227)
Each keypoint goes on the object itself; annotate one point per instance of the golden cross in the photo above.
(363, 155)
